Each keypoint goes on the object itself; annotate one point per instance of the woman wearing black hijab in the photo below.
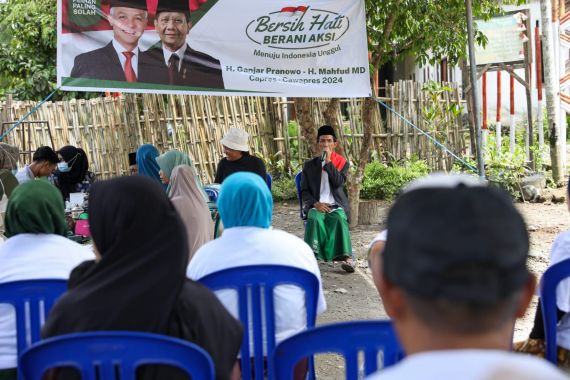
(138, 282)
(73, 175)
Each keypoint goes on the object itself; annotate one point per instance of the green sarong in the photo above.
(328, 235)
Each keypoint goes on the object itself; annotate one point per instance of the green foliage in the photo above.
(28, 47)
(284, 189)
(383, 181)
(428, 29)
(435, 112)
(28, 51)
(504, 168)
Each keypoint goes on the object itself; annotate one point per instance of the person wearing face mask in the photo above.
(73, 175)
(44, 162)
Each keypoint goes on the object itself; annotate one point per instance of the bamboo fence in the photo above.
(109, 128)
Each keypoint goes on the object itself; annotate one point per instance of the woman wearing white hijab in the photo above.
(193, 210)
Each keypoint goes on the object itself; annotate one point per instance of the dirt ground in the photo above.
(353, 296)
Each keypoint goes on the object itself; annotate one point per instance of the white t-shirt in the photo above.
(30, 257)
(561, 251)
(382, 236)
(326, 196)
(243, 246)
(470, 365)
(25, 174)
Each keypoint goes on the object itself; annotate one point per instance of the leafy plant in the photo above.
(383, 181)
(284, 189)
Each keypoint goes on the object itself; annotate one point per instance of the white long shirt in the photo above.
(561, 251)
(31, 257)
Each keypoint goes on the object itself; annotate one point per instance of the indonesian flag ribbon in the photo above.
(290, 11)
(338, 161)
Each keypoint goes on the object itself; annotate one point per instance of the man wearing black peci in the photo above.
(172, 60)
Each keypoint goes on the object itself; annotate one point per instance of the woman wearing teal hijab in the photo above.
(245, 201)
(171, 159)
(245, 205)
(146, 162)
(36, 248)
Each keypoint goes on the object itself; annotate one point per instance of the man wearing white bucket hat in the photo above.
(238, 159)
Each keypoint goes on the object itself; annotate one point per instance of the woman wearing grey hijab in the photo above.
(193, 210)
(8, 163)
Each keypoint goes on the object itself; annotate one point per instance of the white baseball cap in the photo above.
(236, 139)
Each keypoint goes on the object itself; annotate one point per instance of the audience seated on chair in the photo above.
(238, 159)
(325, 204)
(44, 163)
(454, 280)
(138, 281)
(187, 198)
(72, 174)
(146, 163)
(171, 159)
(535, 344)
(245, 206)
(36, 248)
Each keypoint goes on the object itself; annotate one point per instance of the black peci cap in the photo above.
(326, 130)
(137, 4)
(452, 237)
(132, 158)
(173, 6)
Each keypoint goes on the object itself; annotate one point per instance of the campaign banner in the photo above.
(214, 47)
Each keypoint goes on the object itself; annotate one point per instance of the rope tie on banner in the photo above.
(28, 114)
(429, 137)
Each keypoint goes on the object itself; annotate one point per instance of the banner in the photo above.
(214, 47)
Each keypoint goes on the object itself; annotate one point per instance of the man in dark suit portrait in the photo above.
(172, 60)
(119, 59)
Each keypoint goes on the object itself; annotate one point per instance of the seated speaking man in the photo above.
(119, 59)
(325, 203)
(453, 278)
(172, 60)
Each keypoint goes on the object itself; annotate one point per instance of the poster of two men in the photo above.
(168, 61)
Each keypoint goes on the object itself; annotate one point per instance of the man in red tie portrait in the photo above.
(119, 59)
(171, 60)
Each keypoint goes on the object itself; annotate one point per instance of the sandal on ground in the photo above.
(348, 265)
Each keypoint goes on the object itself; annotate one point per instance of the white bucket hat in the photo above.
(236, 139)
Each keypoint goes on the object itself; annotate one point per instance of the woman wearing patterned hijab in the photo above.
(36, 248)
(138, 282)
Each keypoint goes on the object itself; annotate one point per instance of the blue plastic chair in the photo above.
(269, 180)
(550, 280)
(32, 300)
(112, 355)
(254, 285)
(347, 339)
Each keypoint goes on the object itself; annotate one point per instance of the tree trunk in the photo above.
(355, 179)
(331, 116)
(551, 89)
(308, 129)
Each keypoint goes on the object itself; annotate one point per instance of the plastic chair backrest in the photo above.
(298, 185)
(268, 180)
(32, 300)
(550, 280)
(254, 285)
(112, 355)
(346, 339)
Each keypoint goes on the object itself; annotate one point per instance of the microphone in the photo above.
(323, 155)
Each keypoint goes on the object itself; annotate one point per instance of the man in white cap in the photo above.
(238, 159)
